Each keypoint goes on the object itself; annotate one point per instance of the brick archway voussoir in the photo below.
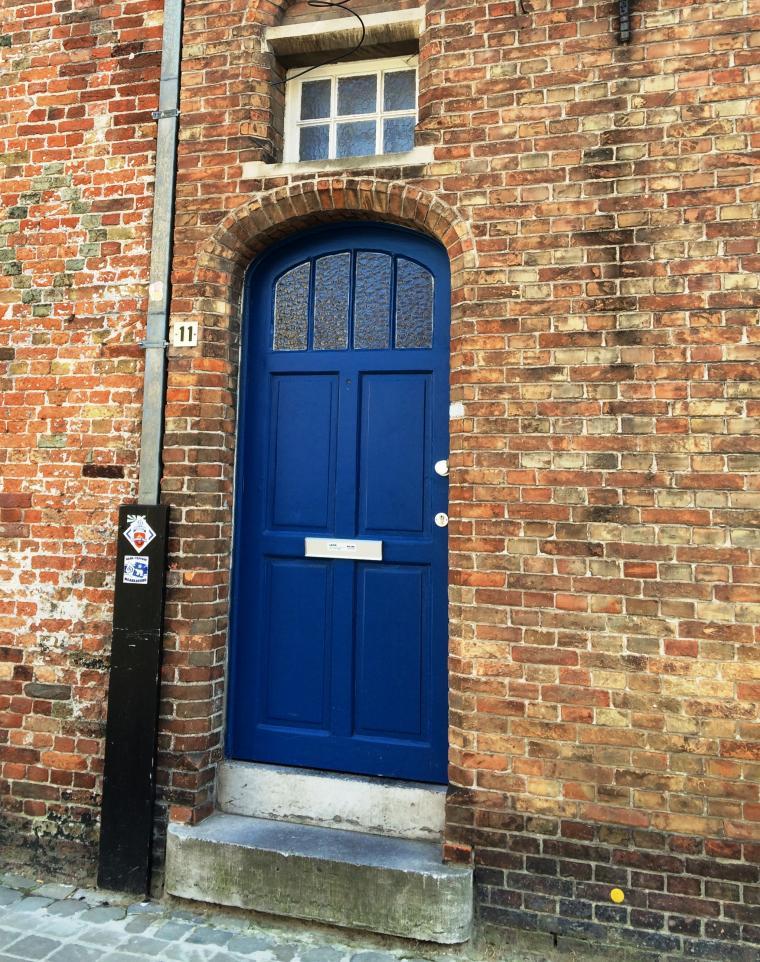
(270, 216)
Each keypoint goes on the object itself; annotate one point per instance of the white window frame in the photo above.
(380, 67)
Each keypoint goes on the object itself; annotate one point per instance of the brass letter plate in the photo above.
(347, 550)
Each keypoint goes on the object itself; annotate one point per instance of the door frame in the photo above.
(248, 359)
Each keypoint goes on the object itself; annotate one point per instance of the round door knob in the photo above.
(442, 468)
(441, 519)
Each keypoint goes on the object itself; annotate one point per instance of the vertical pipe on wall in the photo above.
(155, 342)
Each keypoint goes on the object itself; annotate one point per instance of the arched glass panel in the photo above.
(372, 301)
(291, 309)
(332, 283)
(414, 305)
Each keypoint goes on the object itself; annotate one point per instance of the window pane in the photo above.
(331, 286)
(291, 309)
(414, 305)
(398, 134)
(314, 143)
(357, 95)
(315, 99)
(399, 90)
(356, 139)
(372, 301)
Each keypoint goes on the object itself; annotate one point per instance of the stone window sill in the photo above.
(257, 170)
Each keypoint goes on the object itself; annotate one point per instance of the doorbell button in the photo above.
(441, 519)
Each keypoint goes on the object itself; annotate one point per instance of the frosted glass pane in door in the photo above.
(332, 282)
(414, 305)
(372, 301)
(291, 309)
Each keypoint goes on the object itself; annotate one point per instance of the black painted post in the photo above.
(128, 780)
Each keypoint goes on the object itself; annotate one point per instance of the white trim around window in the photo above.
(369, 129)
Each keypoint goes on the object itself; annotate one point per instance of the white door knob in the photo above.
(441, 519)
(442, 468)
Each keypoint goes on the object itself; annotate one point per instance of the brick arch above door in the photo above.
(277, 213)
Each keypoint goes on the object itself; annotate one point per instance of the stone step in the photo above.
(354, 803)
(353, 879)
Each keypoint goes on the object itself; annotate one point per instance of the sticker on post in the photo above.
(135, 570)
(139, 533)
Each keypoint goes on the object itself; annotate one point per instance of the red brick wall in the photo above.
(76, 149)
(600, 206)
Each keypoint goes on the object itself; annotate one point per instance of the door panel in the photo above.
(395, 438)
(335, 663)
(296, 654)
(392, 653)
(302, 454)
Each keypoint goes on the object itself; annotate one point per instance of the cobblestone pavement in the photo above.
(61, 923)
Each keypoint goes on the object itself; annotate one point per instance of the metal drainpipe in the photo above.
(155, 342)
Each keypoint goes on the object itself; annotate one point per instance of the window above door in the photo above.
(360, 300)
(357, 109)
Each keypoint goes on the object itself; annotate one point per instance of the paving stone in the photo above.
(229, 957)
(76, 953)
(139, 924)
(107, 937)
(8, 896)
(6, 937)
(374, 957)
(286, 952)
(323, 953)
(67, 907)
(59, 927)
(12, 920)
(205, 935)
(53, 891)
(247, 944)
(104, 913)
(31, 903)
(185, 952)
(173, 931)
(117, 957)
(144, 945)
(32, 947)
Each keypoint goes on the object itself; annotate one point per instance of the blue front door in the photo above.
(339, 644)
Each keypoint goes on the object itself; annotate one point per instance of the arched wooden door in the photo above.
(339, 612)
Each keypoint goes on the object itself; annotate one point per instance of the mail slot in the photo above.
(348, 550)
